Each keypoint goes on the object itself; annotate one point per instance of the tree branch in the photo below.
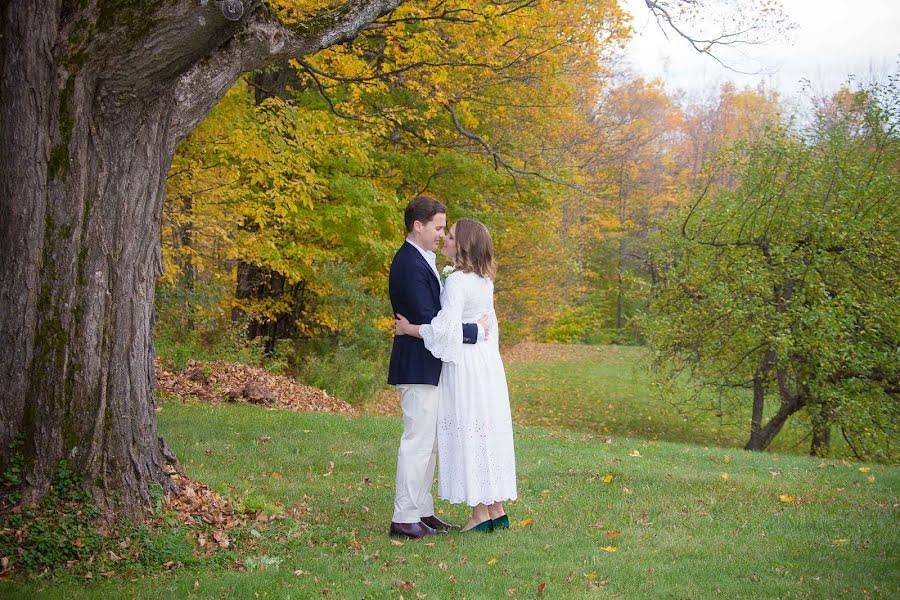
(263, 40)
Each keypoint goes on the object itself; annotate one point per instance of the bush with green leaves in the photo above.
(778, 285)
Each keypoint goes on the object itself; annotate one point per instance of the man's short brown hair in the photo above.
(422, 209)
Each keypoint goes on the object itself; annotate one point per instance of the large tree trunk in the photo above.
(94, 98)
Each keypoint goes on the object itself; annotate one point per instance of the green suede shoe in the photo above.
(484, 526)
(500, 522)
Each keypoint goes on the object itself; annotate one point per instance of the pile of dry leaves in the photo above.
(218, 381)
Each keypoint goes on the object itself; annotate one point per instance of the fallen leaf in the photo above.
(727, 459)
(526, 522)
(864, 469)
(607, 478)
(840, 541)
(613, 534)
(406, 586)
(786, 498)
(492, 562)
(870, 479)
(592, 576)
(452, 579)
(635, 454)
(540, 588)
(397, 542)
(610, 549)
(724, 476)
(264, 438)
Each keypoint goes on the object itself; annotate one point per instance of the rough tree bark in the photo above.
(94, 98)
(793, 398)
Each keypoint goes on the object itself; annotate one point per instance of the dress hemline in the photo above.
(488, 502)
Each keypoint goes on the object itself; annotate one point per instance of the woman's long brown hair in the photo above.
(474, 248)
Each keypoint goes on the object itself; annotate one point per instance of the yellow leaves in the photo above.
(492, 562)
(384, 324)
(724, 476)
(787, 498)
(607, 478)
(526, 522)
(609, 549)
(839, 542)
(864, 469)
(635, 454)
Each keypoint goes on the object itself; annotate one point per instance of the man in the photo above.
(415, 289)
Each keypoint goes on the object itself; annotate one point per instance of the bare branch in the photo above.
(499, 161)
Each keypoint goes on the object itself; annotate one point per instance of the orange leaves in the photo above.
(613, 534)
(526, 522)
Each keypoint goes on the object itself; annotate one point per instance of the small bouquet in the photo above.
(445, 272)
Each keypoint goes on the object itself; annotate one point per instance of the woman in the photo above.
(475, 441)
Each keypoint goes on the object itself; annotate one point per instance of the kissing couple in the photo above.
(446, 364)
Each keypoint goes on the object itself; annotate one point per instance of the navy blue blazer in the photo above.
(416, 294)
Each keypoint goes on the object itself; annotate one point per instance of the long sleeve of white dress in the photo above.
(443, 337)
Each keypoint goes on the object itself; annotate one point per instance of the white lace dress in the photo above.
(476, 460)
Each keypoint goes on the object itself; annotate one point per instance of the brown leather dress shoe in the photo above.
(436, 523)
(411, 530)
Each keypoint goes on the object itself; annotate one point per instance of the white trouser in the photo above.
(418, 449)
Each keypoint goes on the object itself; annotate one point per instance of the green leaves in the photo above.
(788, 275)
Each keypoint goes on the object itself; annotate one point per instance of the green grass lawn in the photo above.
(686, 531)
(608, 390)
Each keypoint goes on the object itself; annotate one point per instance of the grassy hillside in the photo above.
(608, 390)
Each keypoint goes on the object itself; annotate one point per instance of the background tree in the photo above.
(780, 290)
(480, 105)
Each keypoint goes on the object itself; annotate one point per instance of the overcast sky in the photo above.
(833, 38)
